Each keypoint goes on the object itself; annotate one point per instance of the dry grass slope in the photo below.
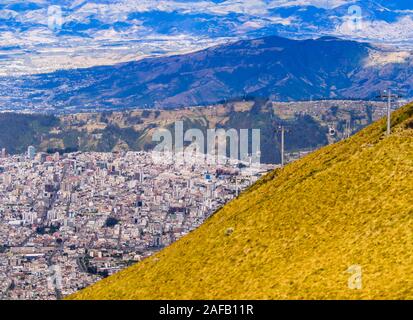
(297, 231)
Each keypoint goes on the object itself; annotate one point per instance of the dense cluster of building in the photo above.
(67, 221)
(319, 108)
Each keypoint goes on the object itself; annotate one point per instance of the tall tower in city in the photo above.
(31, 152)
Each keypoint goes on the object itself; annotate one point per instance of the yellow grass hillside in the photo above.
(299, 233)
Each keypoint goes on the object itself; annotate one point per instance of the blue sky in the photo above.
(44, 35)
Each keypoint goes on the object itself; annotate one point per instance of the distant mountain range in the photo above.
(270, 67)
(102, 32)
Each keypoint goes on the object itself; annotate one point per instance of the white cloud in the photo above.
(401, 30)
(250, 7)
(8, 14)
(381, 58)
(327, 4)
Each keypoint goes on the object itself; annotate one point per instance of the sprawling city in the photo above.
(68, 221)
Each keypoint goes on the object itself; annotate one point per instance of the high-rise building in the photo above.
(3, 153)
(31, 152)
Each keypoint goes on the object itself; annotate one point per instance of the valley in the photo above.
(311, 124)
